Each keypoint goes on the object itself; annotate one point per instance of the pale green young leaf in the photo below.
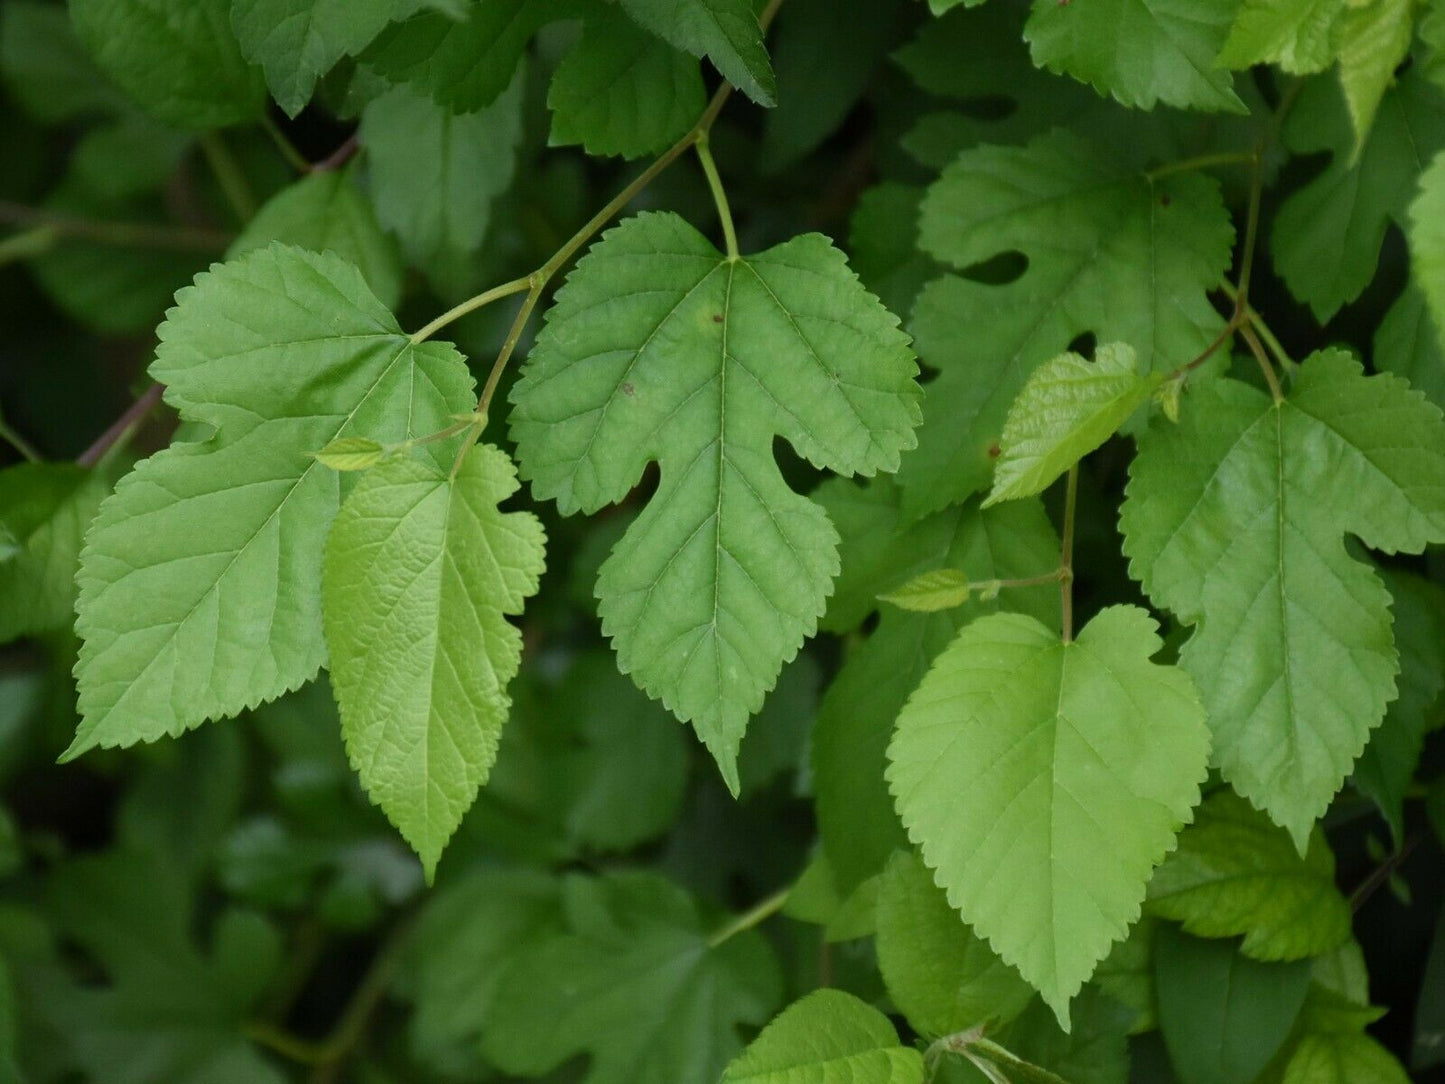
(1068, 408)
(351, 453)
(828, 1037)
(1342, 1057)
(1298, 35)
(634, 982)
(177, 59)
(1372, 38)
(1140, 52)
(435, 174)
(421, 573)
(941, 976)
(1386, 769)
(326, 212)
(1293, 648)
(44, 511)
(724, 31)
(880, 550)
(464, 65)
(296, 42)
(929, 592)
(623, 91)
(1326, 237)
(1223, 1015)
(1237, 873)
(1045, 779)
(660, 348)
(1108, 252)
(200, 583)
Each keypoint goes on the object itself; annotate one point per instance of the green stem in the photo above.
(748, 919)
(719, 194)
(1247, 332)
(1203, 161)
(1251, 230)
(1066, 556)
(484, 401)
(19, 443)
(121, 429)
(294, 158)
(229, 175)
(472, 304)
(35, 241)
(1287, 363)
(122, 234)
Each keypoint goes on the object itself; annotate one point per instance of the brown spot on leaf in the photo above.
(1164, 200)
(717, 318)
(628, 389)
(994, 451)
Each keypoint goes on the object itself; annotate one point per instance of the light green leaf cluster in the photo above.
(881, 550)
(1044, 780)
(660, 348)
(1236, 873)
(44, 510)
(828, 1037)
(1109, 252)
(942, 976)
(179, 59)
(1141, 52)
(1298, 35)
(1068, 408)
(632, 979)
(421, 571)
(200, 582)
(1234, 520)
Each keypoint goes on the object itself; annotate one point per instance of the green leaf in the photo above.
(421, 573)
(1293, 649)
(1342, 1057)
(176, 58)
(828, 1037)
(1386, 769)
(1372, 39)
(1407, 343)
(941, 976)
(1326, 237)
(1223, 1015)
(464, 65)
(635, 983)
(1140, 52)
(351, 453)
(941, 589)
(435, 174)
(622, 91)
(46, 69)
(127, 158)
(1236, 873)
(1428, 1046)
(1020, 754)
(296, 42)
(660, 348)
(724, 31)
(881, 550)
(883, 247)
(169, 1011)
(1068, 408)
(1427, 239)
(1298, 35)
(1094, 1051)
(325, 212)
(200, 581)
(464, 940)
(1108, 252)
(45, 509)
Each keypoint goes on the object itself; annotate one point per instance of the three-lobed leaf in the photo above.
(200, 582)
(421, 572)
(1235, 518)
(660, 348)
(1044, 779)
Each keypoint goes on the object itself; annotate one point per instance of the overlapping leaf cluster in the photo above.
(1013, 446)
